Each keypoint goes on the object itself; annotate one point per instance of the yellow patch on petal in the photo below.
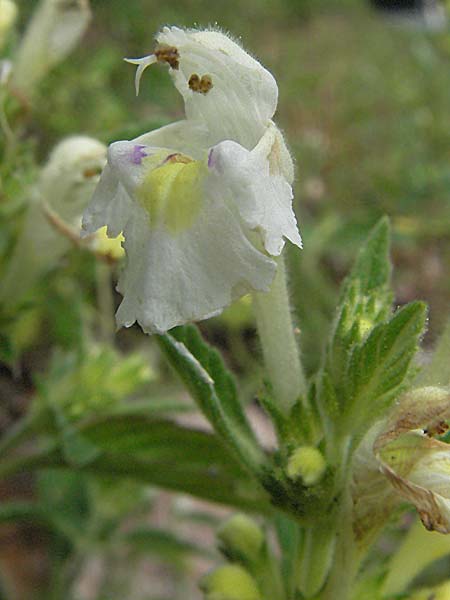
(172, 192)
(111, 247)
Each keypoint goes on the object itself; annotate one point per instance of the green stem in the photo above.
(316, 558)
(346, 561)
(276, 332)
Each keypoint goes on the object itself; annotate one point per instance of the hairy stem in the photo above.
(345, 565)
(276, 332)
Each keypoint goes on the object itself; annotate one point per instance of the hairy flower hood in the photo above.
(204, 204)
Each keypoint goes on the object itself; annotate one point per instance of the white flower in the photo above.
(64, 188)
(204, 204)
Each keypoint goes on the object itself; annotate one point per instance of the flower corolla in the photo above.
(204, 204)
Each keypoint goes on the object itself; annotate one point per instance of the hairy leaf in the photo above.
(203, 372)
(163, 453)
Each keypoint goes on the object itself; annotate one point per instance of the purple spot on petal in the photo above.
(138, 154)
(211, 160)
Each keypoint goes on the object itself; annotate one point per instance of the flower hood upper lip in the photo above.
(244, 93)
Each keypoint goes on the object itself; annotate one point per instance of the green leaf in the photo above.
(367, 359)
(378, 369)
(372, 268)
(365, 300)
(77, 450)
(165, 454)
(64, 501)
(212, 362)
(212, 387)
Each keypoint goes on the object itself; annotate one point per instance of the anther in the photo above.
(168, 54)
(202, 86)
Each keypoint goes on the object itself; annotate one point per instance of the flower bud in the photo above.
(64, 188)
(8, 16)
(230, 582)
(241, 539)
(306, 463)
(54, 30)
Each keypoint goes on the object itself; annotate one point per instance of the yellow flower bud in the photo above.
(230, 582)
(241, 538)
(306, 463)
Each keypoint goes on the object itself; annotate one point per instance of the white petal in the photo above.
(128, 164)
(264, 200)
(188, 137)
(244, 95)
(110, 205)
(170, 280)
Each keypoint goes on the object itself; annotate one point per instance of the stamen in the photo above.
(194, 82)
(168, 54)
(205, 84)
(142, 63)
(163, 53)
(92, 172)
(202, 86)
(176, 157)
